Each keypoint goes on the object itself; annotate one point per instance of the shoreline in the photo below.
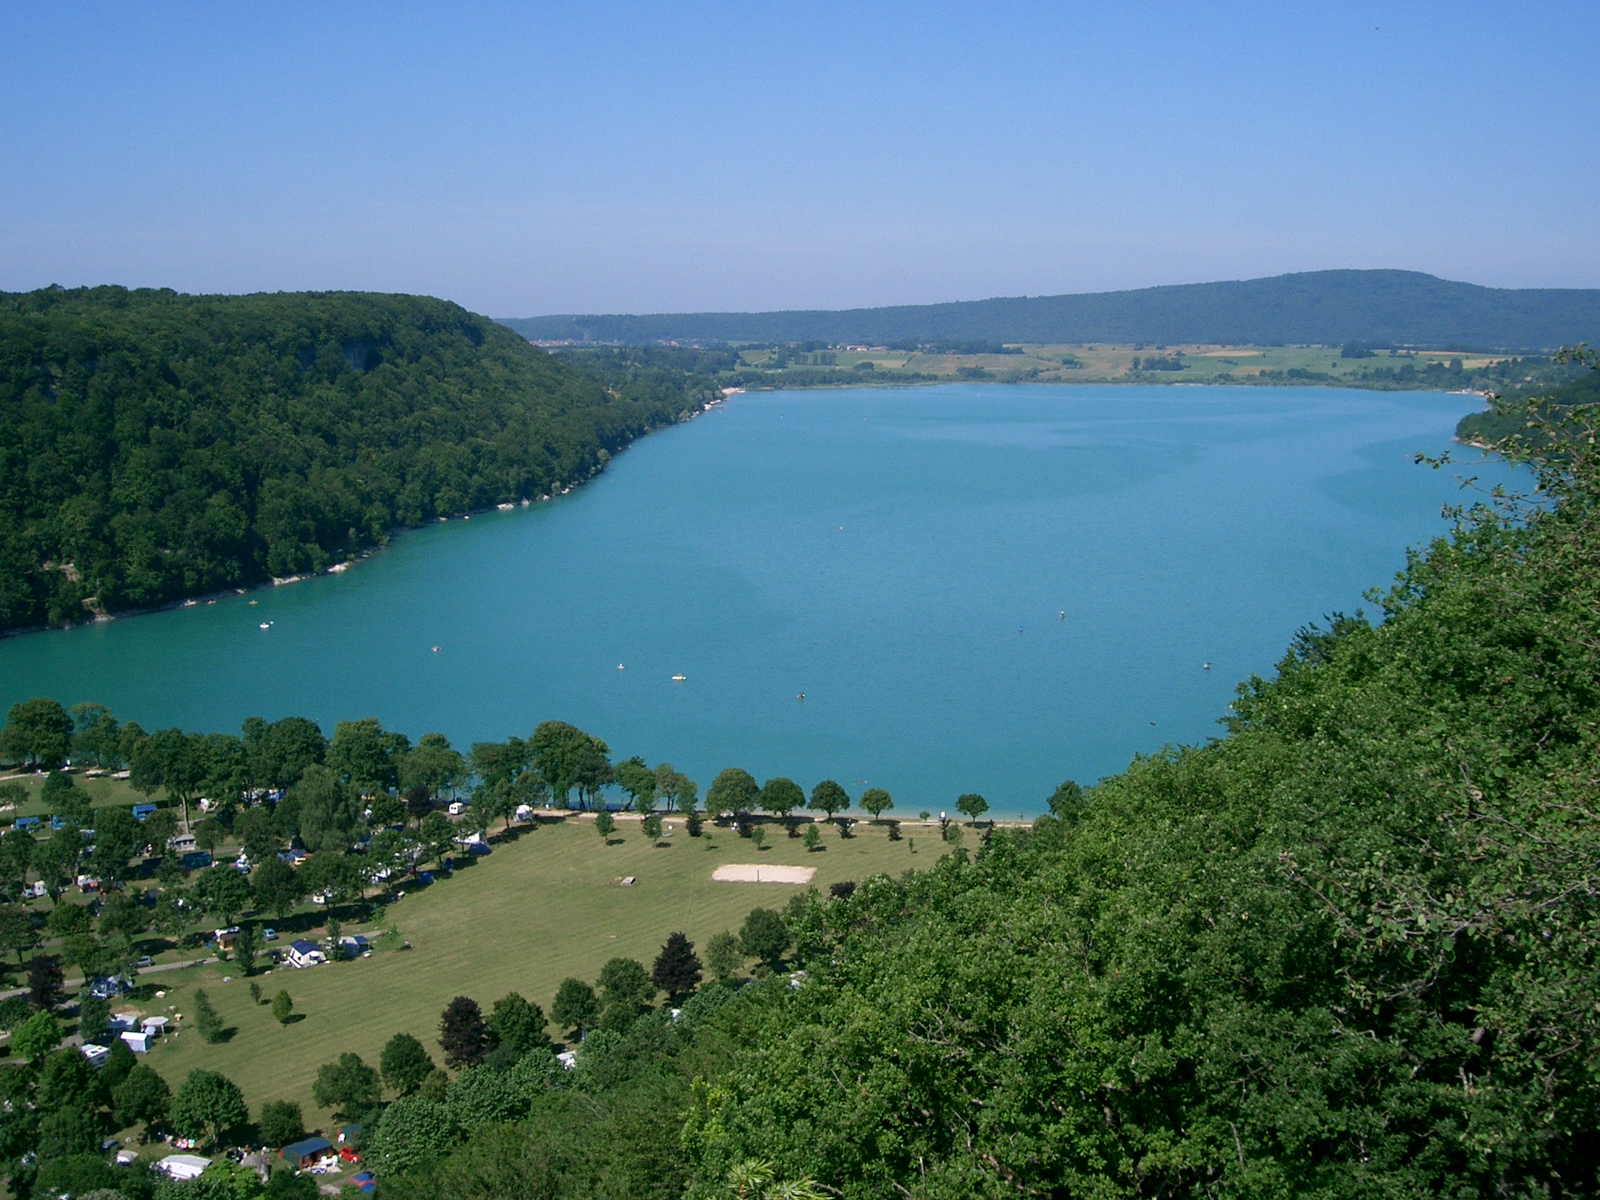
(335, 568)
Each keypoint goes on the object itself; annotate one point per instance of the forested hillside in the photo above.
(155, 445)
(1328, 308)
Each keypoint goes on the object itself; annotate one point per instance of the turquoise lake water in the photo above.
(903, 557)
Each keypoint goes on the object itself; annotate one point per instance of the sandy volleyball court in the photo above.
(761, 873)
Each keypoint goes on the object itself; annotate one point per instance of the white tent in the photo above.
(183, 1166)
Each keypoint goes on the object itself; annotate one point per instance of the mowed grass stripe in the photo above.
(539, 909)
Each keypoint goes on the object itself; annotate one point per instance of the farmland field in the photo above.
(542, 907)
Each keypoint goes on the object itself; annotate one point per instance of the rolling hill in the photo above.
(1403, 308)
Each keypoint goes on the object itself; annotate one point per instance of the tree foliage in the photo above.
(155, 445)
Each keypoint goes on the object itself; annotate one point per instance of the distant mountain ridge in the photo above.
(1403, 308)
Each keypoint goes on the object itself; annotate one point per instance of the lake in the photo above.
(979, 587)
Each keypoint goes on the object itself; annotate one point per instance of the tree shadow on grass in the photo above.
(292, 1019)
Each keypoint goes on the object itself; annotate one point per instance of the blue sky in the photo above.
(528, 159)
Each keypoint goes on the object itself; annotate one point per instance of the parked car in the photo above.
(144, 961)
(269, 935)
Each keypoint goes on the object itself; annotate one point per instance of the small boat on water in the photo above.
(266, 624)
(679, 678)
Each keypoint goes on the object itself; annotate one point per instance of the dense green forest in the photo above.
(1512, 409)
(1328, 308)
(1348, 950)
(155, 446)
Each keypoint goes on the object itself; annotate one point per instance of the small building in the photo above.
(182, 843)
(96, 1055)
(456, 808)
(137, 1040)
(183, 1166)
(304, 1153)
(141, 811)
(226, 937)
(153, 1027)
(25, 822)
(36, 889)
(305, 954)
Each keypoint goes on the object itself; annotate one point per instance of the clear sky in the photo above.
(531, 159)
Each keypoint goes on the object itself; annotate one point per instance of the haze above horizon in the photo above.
(632, 159)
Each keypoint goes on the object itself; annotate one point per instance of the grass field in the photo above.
(540, 908)
(101, 790)
(1114, 364)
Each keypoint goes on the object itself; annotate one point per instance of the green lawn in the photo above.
(102, 790)
(540, 908)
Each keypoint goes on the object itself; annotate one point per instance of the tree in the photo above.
(329, 810)
(278, 753)
(95, 734)
(732, 791)
(829, 797)
(156, 831)
(281, 1122)
(37, 731)
(245, 948)
(116, 840)
(414, 1130)
(639, 781)
(209, 834)
(625, 981)
(764, 937)
(568, 758)
(651, 826)
(223, 891)
(813, 838)
(141, 1098)
(365, 756)
(679, 790)
(37, 1036)
(723, 955)
(66, 918)
(65, 800)
(462, 1034)
(282, 1007)
(758, 836)
(207, 1105)
(605, 824)
(1066, 802)
(575, 1006)
(17, 931)
(517, 1024)
(334, 876)
(349, 1087)
(781, 796)
(94, 1016)
(276, 886)
(168, 759)
(973, 805)
(433, 765)
(44, 981)
(56, 858)
(875, 801)
(677, 969)
(405, 1063)
(16, 856)
(436, 836)
(206, 1019)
